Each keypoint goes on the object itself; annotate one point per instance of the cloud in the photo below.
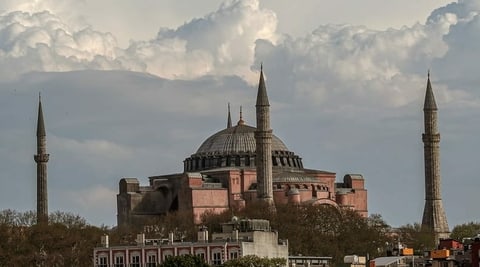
(346, 65)
(96, 150)
(97, 200)
(43, 42)
(36, 6)
(220, 43)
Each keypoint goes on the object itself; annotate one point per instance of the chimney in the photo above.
(203, 234)
(235, 235)
(170, 238)
(140, 239)
(104, 241)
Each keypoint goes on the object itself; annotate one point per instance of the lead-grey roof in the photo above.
(385, 261)
(236, 139)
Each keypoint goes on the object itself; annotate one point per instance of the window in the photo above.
(184, 252)
(217, 258)
(200, 254)
(102, 261)
(152, 261)
(233, 255)
(167, 253)
(135, 261)
(119, 261)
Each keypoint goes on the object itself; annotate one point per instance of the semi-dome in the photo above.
(234, 140)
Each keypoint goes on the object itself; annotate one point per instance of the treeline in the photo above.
(66, 241)
(320, 230)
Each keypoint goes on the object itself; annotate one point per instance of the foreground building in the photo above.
(238, 238)
(234, 167)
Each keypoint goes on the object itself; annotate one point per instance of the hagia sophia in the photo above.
(242, 164)
(235, 167)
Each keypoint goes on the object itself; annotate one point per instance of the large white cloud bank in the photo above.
(341, 62)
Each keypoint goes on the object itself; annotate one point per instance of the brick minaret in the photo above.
(434, 218)
(41, 158)
(263, 139)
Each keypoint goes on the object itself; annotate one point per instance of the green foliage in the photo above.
(66, 241)
(70, 220)
(252, 260)
(416, 237)
(466, 230)
(184, 261)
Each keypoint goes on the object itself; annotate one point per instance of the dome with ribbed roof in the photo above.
(236, 139)
(235, 146)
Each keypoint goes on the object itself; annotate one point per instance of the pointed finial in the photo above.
(262, 98)
(40, 122)
(261, 66)
(229, 119)
(39, 96)
(430, 103)
(240, 121)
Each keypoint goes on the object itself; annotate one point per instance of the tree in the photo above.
(416, 237)
(466, 230)
(66, 241)
(253, 260)
(68, 219)
(184, 261)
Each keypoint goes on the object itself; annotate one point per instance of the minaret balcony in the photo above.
(431, 138)
(41, 158)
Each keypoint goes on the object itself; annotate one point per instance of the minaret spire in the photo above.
(430, 103)
(434, 219)
(229, 119)
(263, 139)
(241, 121)
(41, 158)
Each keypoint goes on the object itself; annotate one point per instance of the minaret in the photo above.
(263, 139)
(240, 120)
(434, 218)
(41, 158)
(229, 119)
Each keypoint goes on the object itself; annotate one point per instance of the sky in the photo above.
(132, 88)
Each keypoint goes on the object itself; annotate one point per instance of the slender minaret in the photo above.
(263, 139)
(434, 218)
(41, 158)
(240, 120)
(229, 119)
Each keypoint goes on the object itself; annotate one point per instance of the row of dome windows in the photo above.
(202, 163)
(303, 186)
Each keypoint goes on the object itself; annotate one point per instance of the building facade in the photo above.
(234, 167)
(238, 238)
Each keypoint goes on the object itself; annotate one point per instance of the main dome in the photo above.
(235, 146)
(234, 140)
